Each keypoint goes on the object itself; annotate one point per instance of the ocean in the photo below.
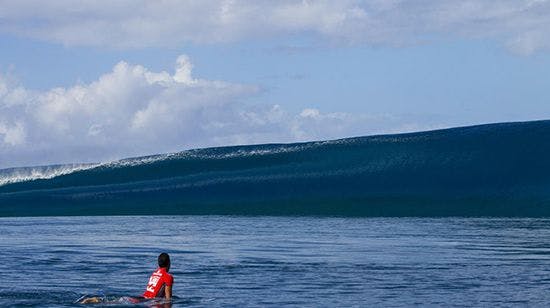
(454, 217)
(235, 261)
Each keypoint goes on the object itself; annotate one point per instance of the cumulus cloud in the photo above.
(519, 24)
(134, 111)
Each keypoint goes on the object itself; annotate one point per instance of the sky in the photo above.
(95, 81)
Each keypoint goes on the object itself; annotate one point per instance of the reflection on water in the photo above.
(301, 261)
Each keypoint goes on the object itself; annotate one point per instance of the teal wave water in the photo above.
(486, 170)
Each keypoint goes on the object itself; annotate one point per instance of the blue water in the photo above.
(488, 170)
(221, 261)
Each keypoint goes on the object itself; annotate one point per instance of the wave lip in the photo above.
(486, 170)
(24, 174)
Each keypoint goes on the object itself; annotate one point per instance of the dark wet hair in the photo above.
(164, 260)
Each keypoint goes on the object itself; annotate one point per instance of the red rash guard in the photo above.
(159, 279)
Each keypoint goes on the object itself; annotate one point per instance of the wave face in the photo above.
(486, 170)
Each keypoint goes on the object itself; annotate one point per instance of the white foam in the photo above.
(16, 175)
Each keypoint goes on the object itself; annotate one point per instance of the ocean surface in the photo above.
(238, 261)
(487, 170)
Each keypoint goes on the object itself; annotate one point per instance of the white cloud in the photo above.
(519, 24)
(14, 135)
(133, 111)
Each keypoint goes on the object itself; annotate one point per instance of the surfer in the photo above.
(160, 282)
(159, 286)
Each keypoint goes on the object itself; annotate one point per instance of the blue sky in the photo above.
(93, 82)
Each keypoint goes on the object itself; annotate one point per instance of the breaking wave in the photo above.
(25, 174)
(486, 170)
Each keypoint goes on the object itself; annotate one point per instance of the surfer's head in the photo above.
(164, 261)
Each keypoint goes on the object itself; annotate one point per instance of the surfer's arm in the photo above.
(89, 300)
(168, 292)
